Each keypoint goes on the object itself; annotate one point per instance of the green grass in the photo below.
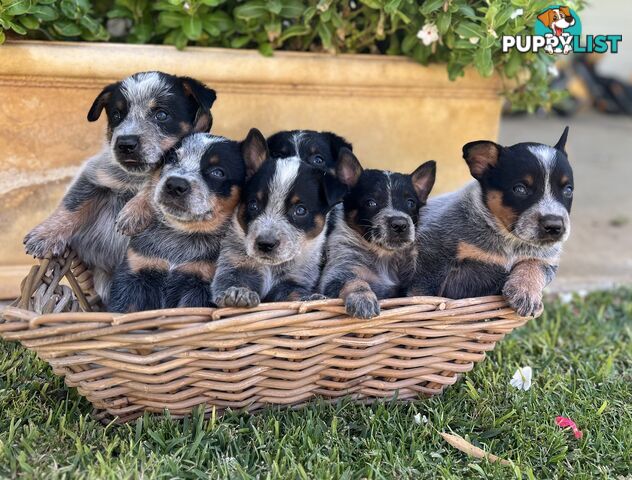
(582, 361)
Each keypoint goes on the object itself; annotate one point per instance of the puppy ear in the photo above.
(481, 156)
(424, 178)
(333, 189)
(204, 97)
(255, 151)
(566, 11)
(546, 18)
(348, 168)
(336, 143)
(561, 143)
(101, 101)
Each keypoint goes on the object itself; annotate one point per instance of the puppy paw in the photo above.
(131, 221)
(525, 302)
(238, 297)
(39, 242)
(362, 305)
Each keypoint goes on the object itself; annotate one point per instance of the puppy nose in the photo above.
(398, 224)
(127, 144)
(552, 226)
(177, 186)
(267, 244)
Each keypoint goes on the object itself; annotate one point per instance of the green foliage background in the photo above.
(469, 30)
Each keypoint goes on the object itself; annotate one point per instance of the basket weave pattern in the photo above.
(278, 353)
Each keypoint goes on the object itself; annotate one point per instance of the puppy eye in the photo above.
(300, 211)
(218, 173)
(253, 206)
(521, 190)
(411, 203)
(371, 203)
(161, 115)
(318, 160)
(116, 115)
(568, 191)
(171, 157)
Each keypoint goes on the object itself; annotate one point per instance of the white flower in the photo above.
(353, 5)
(474, 40)
(516, 13)
(428, 34)
(565, 298)
(187, 6)
(522, 378)
(419, 419)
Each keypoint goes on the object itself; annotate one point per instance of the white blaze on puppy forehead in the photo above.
(143, 87)
(296, 141)
(548, 205)
(193, 148)
(285, 173)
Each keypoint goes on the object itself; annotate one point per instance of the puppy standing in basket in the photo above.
(502, 233)
(274, 249)
(371, 250)
(147, 114)
(171, 263)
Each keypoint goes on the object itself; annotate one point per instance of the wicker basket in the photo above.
(275, 354)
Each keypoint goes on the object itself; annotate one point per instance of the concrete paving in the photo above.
(598, 253)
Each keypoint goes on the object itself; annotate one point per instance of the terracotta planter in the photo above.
(396, 113)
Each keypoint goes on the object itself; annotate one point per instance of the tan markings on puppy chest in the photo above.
(203, 270)
(103, 177)
(467, 251)
(138, 262)
(354, 286)
(504, 214)
(530, 273)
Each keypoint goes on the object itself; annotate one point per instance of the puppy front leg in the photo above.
(237, 287)
(290, 290)
(138, 284)
(360, 300)
(189, 285)
(138, 213)
(76, 209)
(524, 286)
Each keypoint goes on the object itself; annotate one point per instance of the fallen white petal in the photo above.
(522, 378)
(419, 419)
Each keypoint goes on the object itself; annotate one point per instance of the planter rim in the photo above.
(112, 61)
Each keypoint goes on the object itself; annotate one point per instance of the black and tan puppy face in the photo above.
(528, 187)
(148, 113)
(319, 149)
(200, 182)
(383, 206)
(284, 208)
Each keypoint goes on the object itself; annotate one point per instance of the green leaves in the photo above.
(458, 33)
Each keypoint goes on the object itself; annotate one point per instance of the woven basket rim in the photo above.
(281, 353)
